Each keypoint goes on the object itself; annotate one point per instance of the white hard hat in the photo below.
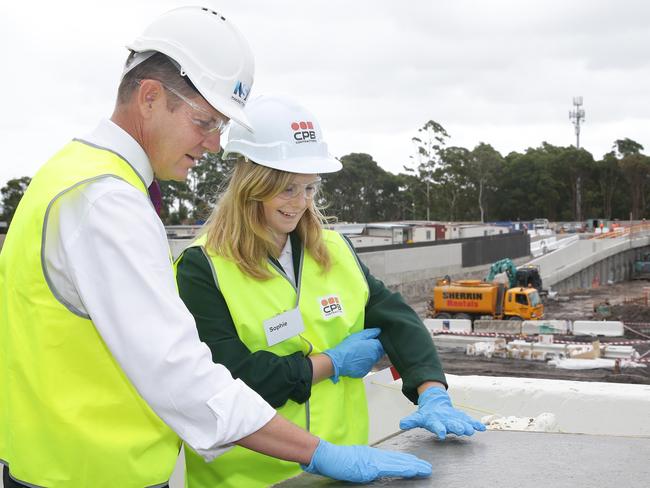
(211, 52)
(287, 137)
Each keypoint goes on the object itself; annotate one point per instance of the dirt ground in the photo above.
(627, 303)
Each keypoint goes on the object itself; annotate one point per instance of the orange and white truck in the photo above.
(475, 299)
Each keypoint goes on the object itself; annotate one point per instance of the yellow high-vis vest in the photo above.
(332, 306)
(69, 416)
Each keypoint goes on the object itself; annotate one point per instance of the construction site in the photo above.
(557, 389)
(628, 304)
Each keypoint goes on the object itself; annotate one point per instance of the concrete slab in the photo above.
(456, 342)
(545, 327)
(504, 459)
(498, 326)
(609, 328)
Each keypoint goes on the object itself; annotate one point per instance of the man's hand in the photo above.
(362, 464)
(436, 414)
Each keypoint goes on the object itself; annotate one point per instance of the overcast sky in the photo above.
(372, 71)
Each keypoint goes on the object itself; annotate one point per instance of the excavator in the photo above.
(524, 276)
(642, 267)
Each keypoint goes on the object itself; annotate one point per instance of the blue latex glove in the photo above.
(356, 354)
(436, 414)
(361, 464)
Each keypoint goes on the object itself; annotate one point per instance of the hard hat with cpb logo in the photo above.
(209, 50)
(286, 137)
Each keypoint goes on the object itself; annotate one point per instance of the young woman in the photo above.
(288, 307)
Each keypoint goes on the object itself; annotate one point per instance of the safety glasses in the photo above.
(204, 120)
(295, 189)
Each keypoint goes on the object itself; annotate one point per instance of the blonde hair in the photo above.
(237, 228)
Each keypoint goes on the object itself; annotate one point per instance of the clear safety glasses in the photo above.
(204, 120)
(294, 189)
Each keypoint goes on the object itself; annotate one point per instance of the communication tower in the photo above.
(577, 116)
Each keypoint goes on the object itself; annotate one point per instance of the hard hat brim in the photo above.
(234, 113)
(299, 165)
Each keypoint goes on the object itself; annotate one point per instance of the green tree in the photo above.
(451, 179)
(608, 177)
(576, 165)
(10, 196)
(429, 143)
(636, 168)
(362, 191)
(410, 188)
(192, 200)
(176, 199)
(534, 184)
(206, 181)
(626, 147)
(482, 167)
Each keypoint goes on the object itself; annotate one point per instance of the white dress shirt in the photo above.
(107, 258)
(286, 261)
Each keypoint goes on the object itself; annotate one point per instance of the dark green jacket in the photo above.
(279, 378)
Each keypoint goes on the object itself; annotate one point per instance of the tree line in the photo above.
(442, 182)
(451, 183)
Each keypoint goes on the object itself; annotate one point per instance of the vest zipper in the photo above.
(284, 275)
(307, 413)
(297, 288)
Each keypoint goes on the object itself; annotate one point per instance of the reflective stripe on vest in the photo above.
(69, 417)
(332, 306)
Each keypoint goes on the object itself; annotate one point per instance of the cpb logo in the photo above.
(331, 306)
(303, 132)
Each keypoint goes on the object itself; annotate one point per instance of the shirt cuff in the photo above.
(413, 378)
(239, 412)
(302, 367)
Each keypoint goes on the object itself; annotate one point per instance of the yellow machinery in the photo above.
(473, 299)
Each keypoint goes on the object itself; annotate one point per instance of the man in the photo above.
(101, 366)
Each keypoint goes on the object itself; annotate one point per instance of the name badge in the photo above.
(283, 326)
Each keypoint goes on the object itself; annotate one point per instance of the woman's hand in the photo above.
(356, 354)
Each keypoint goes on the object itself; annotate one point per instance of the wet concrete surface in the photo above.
(505, 459)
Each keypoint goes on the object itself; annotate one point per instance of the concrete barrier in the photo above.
(545, 327)
(609, 328)
(412, 271)
(542, 246)
(619, 352)
(498, 326)
(452, 325)
(460, 342)
(580, 263)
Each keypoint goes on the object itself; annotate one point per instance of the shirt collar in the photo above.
(287, 247)
(111, 136)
